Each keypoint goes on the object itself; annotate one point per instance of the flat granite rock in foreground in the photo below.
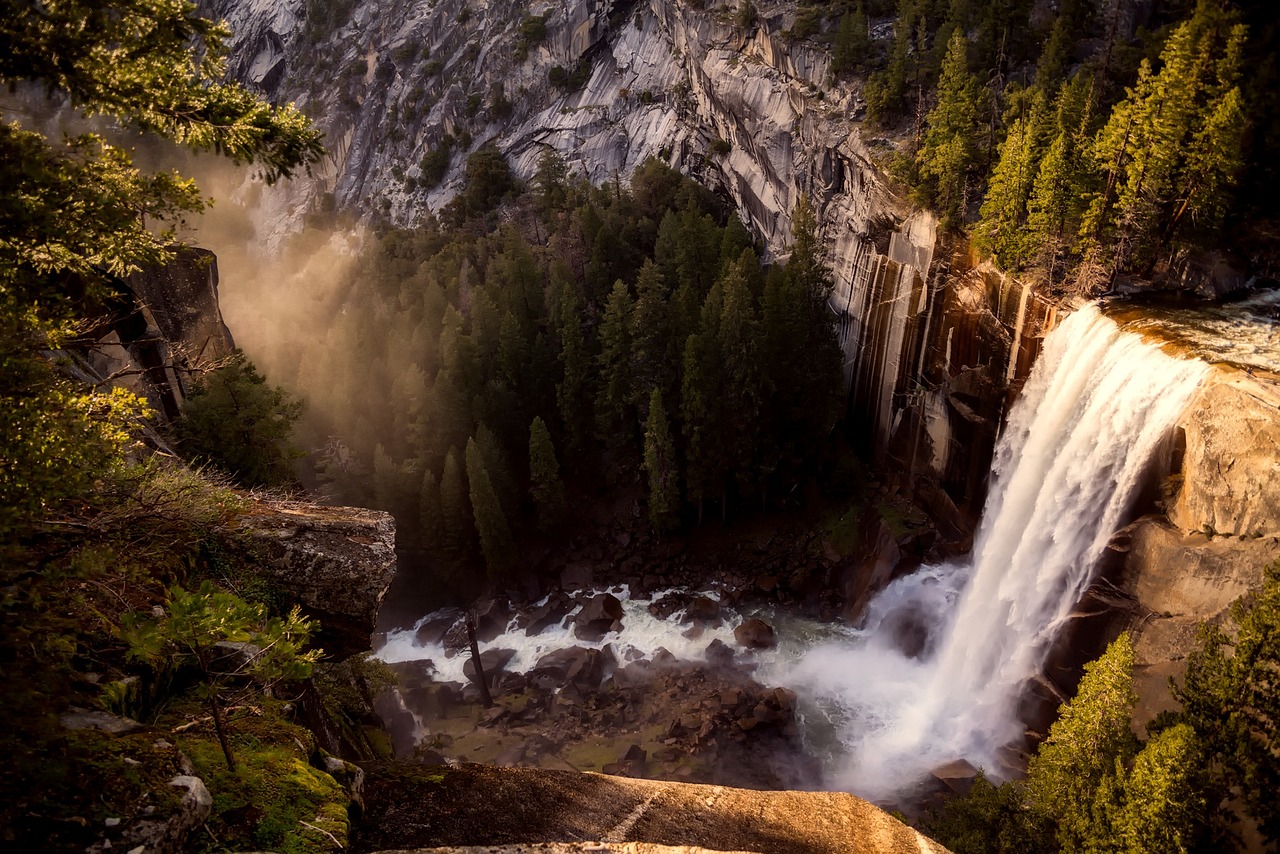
(419, 807)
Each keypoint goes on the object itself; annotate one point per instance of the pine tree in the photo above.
(430, 516)
(457, 531)
(949, 150)
(496, 463)
(496, 543)
(740, 394)
(652, 363)
(572, 392)
(1171, 148)
(545, 486)
(1000, 229)
(1054, 208)
(852, 46)
(1231, 698)
(699, 412)
(1164, 797)
(613, 402)
(1086, 745)
(549, 181)
(660, 465)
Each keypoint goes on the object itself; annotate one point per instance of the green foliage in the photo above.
(613, 406)
(1171, 148)
(56, 438)
(852, 46)
(545, 485)
(1085, 745)
(193, 626)
(496, 544)
(435, 163)
(531, 33)
(1000, 230)
(488, 180)
(660, 466)
(1231, 699)
(233, 420)
(274, 800)
(989, 819)
(950, 148)
(158, 67)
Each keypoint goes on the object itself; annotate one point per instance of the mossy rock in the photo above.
(274, 800)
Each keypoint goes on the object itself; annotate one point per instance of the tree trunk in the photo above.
(220, 729)
(475, 659)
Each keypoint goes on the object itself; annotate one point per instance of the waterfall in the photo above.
(946, 652)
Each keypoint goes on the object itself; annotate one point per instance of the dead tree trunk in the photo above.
(481, 680)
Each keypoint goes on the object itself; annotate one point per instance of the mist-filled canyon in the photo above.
(758, 426)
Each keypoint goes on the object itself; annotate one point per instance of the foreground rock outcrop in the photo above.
(412, 806)
(336, 562)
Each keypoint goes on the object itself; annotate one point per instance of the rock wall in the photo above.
(166, 327)
(1168, 574)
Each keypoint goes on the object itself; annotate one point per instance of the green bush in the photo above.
(236, 422)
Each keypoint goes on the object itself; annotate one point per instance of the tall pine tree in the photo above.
(660, 466)
(950, 150)
(545, 486)
(496, 543)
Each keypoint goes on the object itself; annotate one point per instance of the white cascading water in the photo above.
(1097, 406)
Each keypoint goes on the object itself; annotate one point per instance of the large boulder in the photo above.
(1177, 581)
(755, 634)
(411, 806)
(1231, 467)
(599, 615)
(586, 668)
(494, 661)
(335, 562)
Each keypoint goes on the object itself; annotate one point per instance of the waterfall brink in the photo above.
(946, 652)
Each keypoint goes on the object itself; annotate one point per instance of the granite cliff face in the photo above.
(932, 346)
(1222, 529)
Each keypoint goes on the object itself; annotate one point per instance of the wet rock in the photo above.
(755, 634)
(492, 617)
(544, 616)
(493, 661)
(598, 617)
(663, 607)
(576, 665)
(719, 654)
(634, 753)
(433, 631)
(704, 609)
(957, 775)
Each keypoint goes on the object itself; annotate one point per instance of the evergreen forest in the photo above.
(587, 338)
(1082, 145)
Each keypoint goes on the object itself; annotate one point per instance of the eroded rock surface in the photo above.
(1231, 473)
(414, 805)
(336, 562)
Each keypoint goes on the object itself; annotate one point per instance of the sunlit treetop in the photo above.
(76, 211)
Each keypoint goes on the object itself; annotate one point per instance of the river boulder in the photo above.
(755, 634)
(600, 615)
